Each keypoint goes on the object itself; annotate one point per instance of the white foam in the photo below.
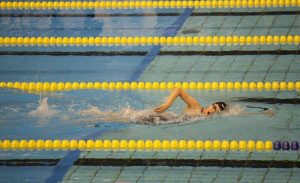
(43, 111)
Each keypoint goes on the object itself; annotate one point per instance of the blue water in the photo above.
(63, 119)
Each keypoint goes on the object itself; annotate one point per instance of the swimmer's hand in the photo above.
(269, 112)
(161, 108)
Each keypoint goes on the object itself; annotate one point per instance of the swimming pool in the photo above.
(73, 114)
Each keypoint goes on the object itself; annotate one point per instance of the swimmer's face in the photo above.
(213, 108)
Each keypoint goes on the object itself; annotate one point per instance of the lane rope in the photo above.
(152, 40)
(233, 145)
(230, 85)
(38, 5)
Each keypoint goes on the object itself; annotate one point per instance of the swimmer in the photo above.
(193, 108)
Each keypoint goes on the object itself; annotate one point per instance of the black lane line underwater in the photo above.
(189, 162)
(157, 162)
(143, 53)
(153, 14)
(29, 162)
(233, 52)
(293, 101)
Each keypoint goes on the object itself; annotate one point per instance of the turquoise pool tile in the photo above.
(213, 22)
(172, 48)
(294, 30)
(69, 173)
(237, 155)
(148, 180)
(285, 20)
(231, 22)
(250, 47)
(107, 174)
(297, 20)
(241, 31)
(156, 172)
(232, 77)
(212, 77)
(265, 21)
(178, 174)
(175, 77)
(279, 31)
(128, 179)
(143, 155)
(225, 32)
(262, 155)
(195, 48)
(248, 21)
(98, 154)
(286, 155)
(189, 154)
(228, 175)
(166, 155)
(252, 175)
(84, 154)
(77, 181)
(269, 47)
(154, 76)
(292, 77)
(295, 175)
(85, 170)
(121, 154)
(278, 175)
(194, 77)
(175, 180)
(253, 77)
(200, 179)
(231, 47)
(186, 62)
(259, 31)
(213, 48)
(130, 174)
(274, 77)
(134, 170)
(206, 32)
(152, 178)
(290, 9)
(294, 180)
(220, 155)
(290, 46)
(205, 172)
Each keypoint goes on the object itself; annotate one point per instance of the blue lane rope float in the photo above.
(157, 145)
(285, 145)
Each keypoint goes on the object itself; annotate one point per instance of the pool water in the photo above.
(75, 114)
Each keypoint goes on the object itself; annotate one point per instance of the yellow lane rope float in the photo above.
(151, 40)
(157, 145)
(65, 86)
(147, 4)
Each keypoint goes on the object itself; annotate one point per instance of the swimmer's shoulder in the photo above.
(193, 111)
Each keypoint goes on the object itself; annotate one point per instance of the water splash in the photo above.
(43, 111)
(129, 115)
(234, 110)
(90, 114)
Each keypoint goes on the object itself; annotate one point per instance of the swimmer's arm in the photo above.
(188, 99)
